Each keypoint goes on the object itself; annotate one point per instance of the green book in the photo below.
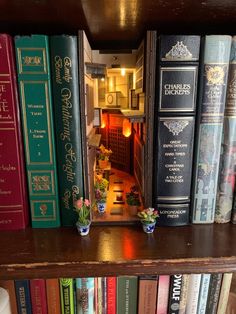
(67, 295)
(33, 69)
(127, 294)
(64, 65)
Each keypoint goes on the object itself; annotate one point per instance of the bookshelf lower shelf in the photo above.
(117, 250)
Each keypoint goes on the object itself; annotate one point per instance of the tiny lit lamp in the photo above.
(122, 71)
(104, 121)
(126, 128)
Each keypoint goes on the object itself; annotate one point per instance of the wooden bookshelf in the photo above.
(117, 250)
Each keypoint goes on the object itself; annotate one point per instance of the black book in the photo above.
(176, 91)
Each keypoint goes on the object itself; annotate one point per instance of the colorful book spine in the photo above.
(32, 54)
(13, 186)
(127, 294)
(224, 293)
(53, 296)
(111, 295)
(203, 293)
(226, 184)
(9, 285)
(174, 293)
(64, 64)
(184, 294)
(175, 123)
(67, 295)
(212, 96)
(163, 294)
(99, 295)
(193, 293)
(85, 295)
(23, 299)
(147, 294)
(213, 293)
(38, 296)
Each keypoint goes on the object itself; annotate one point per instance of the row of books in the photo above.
(195, 165)
(164, 294)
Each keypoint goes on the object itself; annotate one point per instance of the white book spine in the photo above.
(193, 293)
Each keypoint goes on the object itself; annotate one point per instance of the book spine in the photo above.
(174, 293)
(9, 285)
(13, 186)
(233, 217)
(64, 61)
(147, 295)
(85, 295)
(99, 295)
(22, 288)
(226, 184)
(210, 121)
(193, 293)
(175, 123)
(67, 295)
(111, 295)
(104, 295)
(163, 294)
(224, 293)
(203, 293)
(184, 293)
(38, 296)
(53, 296)
(32, 54)
(213, 293)
(127, 294)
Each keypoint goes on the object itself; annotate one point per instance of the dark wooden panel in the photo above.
(117, 250)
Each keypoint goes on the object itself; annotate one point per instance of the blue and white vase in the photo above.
(149, 228)
(101, 207)
(82, 229)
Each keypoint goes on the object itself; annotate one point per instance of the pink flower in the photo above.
(86, 202)
(79, 203)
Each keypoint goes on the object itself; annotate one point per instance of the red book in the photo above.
(38, 296)
(14, 213)
(111, 295)
(53, 296)
(163, 294)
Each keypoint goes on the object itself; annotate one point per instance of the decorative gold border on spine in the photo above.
(41, 193)
(41, 218)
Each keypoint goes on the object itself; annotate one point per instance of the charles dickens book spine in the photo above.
(23, 296)
(212, 96)
(32, 54)
(127, 294)
(175, 122)
(67, 295)
(85, 295)
(64, 61)
(226, 183)
(174, 294)
(13, 187)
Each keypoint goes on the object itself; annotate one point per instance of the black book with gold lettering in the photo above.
(176, 91)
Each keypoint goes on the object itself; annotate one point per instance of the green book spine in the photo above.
(127, 294)
(33, 69)
(67, 295)
(64, 64)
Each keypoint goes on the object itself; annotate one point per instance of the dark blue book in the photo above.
(23, 299)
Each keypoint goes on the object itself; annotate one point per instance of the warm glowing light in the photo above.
(102, 79)
(122, 71)
(104, 121)
(126, 128)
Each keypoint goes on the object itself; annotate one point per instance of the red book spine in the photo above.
(38, 296)
(111, 295)
(14, 213)
(53, 296)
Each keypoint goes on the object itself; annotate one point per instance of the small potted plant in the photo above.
(100, 190)
(148, 219)
(83, 209)
(103, 156)
(132, 199)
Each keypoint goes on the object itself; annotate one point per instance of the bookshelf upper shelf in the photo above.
(117, 250)
(117, 24)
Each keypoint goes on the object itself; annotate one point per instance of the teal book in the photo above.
(85, 295)
(33, 69)
(212, 95)
(127, 294)
(67, 295)
(66, 104)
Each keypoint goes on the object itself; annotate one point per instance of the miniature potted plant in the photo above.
(148, 219)
(103, 156)
(100, 189)
(83, 209)
(132, 199)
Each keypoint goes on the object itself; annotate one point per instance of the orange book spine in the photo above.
(10, 287)
(53, 296)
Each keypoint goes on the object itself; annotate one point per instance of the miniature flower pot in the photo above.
(133, 210)
(149, 228)
(82, 229)
(101, 207)
(102, 163)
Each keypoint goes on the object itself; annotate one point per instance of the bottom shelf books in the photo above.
(164, 294)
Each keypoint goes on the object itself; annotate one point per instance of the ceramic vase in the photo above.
(82, 229)
(149, 227)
